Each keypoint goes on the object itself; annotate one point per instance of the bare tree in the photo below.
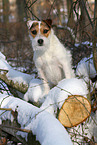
(95, 37)
(71, 21)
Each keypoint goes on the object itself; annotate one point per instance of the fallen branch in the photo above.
(20, 87)
(7, 109)
(15, 128)
(40, 125)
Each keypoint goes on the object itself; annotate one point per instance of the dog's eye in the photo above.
(45, 31)
(34, 32)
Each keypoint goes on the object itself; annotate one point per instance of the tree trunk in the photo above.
(6, 14)
(70, 14)
(95, 37)
(85, 22)
(6, 11)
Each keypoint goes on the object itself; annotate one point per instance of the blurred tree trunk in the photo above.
(71, 21)
(6, 14)
(6, 11)
(95, 37)
(59, 4)
(20, 9)
(20, 34)
(85, 21)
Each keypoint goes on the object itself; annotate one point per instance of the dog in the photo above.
(51, 58)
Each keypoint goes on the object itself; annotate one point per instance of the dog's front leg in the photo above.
(67, 68)
(45, 82)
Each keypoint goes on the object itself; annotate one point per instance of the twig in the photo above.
(27, 7)
(4, 88)
(4, 70)
(7, 109)
(32, 4)
(3, 100)
(51, 8)
(83, 3)
(15, 128)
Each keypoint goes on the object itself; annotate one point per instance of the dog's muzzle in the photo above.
(40, 42)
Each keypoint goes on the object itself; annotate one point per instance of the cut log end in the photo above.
(74, 111)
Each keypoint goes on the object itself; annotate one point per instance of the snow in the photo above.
(41, 121)
(56, 96)
(35, 91)
(48, 129)
(84, 43)
(12, 74)
(86, 68)
(88, 130)
(18, 76)
(60, 93)
(2, 56)
(3, 63)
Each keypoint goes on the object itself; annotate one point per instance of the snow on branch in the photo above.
(46, 128)
(41, 121)
(13, 78)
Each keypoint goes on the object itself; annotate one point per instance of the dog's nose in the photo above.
(40, 41)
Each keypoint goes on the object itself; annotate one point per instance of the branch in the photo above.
(20, 87)
(15, 128)
(95, 38)
(83, 3)
(29, 8)
(7, 109)
(32, 4)
(40, 125)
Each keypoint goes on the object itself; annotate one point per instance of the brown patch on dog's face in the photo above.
(34, 29)
(45, 30)
(41, 28)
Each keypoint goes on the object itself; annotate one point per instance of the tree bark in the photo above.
(15, 85)
(95, 37)
(71, 21)
(85, 21)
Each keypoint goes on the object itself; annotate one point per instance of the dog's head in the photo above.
(40, 34)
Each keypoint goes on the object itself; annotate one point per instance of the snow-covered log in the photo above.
(47, 129)
(13, 78)
(41, 123)
(57, 95)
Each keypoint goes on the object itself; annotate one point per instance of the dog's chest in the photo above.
(46, 60)
(51, 67)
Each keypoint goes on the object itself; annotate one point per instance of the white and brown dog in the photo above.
(52, 59)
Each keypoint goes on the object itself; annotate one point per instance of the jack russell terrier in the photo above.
(52, 59)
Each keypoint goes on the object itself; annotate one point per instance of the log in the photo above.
(74, 111)
(44, 127)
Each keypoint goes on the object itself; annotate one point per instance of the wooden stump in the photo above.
(74, 111)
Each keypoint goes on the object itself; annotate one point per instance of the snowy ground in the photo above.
(44, 132)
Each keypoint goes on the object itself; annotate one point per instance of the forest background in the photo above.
(79, 15)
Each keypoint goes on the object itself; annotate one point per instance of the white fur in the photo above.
(40, 49)
(52, 60)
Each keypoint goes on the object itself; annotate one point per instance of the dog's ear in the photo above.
(48, 22)
(29, 23)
